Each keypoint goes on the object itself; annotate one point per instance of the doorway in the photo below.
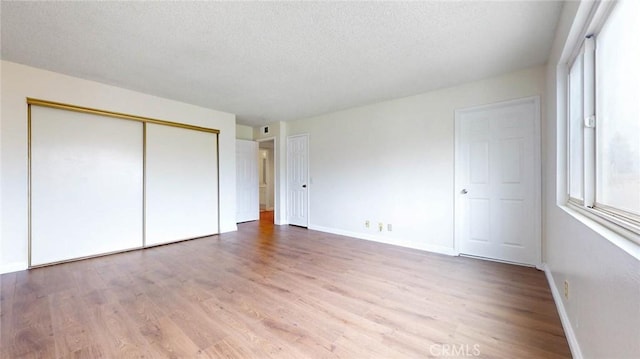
(267, 179)
(497, 176)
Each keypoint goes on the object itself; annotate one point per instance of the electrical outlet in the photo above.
(566, 289)
(380, 226)
(367, 223)
(389, 227)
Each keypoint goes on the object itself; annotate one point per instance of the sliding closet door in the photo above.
(181, 178)
(86, 185)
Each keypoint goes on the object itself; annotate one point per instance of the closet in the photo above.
(102, 182)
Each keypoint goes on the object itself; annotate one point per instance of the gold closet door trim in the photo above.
(123, 116)
(29, 201)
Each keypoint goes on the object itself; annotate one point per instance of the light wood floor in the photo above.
(282, 292)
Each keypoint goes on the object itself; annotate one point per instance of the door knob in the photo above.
(304, 186)
(464, 191)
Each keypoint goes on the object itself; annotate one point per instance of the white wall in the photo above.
(393, 162)
(20, 82)
(244, 132)
(602, 314)
(270, 180)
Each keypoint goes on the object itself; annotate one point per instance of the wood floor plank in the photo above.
(68, 316)
(224, 349)
(166, 337)
(243, 331)
(118, 335)
(278, 292)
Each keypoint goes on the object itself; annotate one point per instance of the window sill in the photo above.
(618, 236)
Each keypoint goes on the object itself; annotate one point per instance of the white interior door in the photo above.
(297, 180)
(498, 181)
(247, 186)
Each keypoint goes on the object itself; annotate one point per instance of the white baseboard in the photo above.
(564, 317)
(421, 246)
(13, 267)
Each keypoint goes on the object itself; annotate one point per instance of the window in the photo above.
(604, 117)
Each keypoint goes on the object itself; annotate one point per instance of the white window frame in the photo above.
(622, 222)
(570, 64)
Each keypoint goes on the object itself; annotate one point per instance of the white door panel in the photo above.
(497, 182)
(86, 185)
(181, 184)
(247, 186)
(297, 180)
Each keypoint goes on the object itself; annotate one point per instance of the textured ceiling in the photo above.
(271, 61)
